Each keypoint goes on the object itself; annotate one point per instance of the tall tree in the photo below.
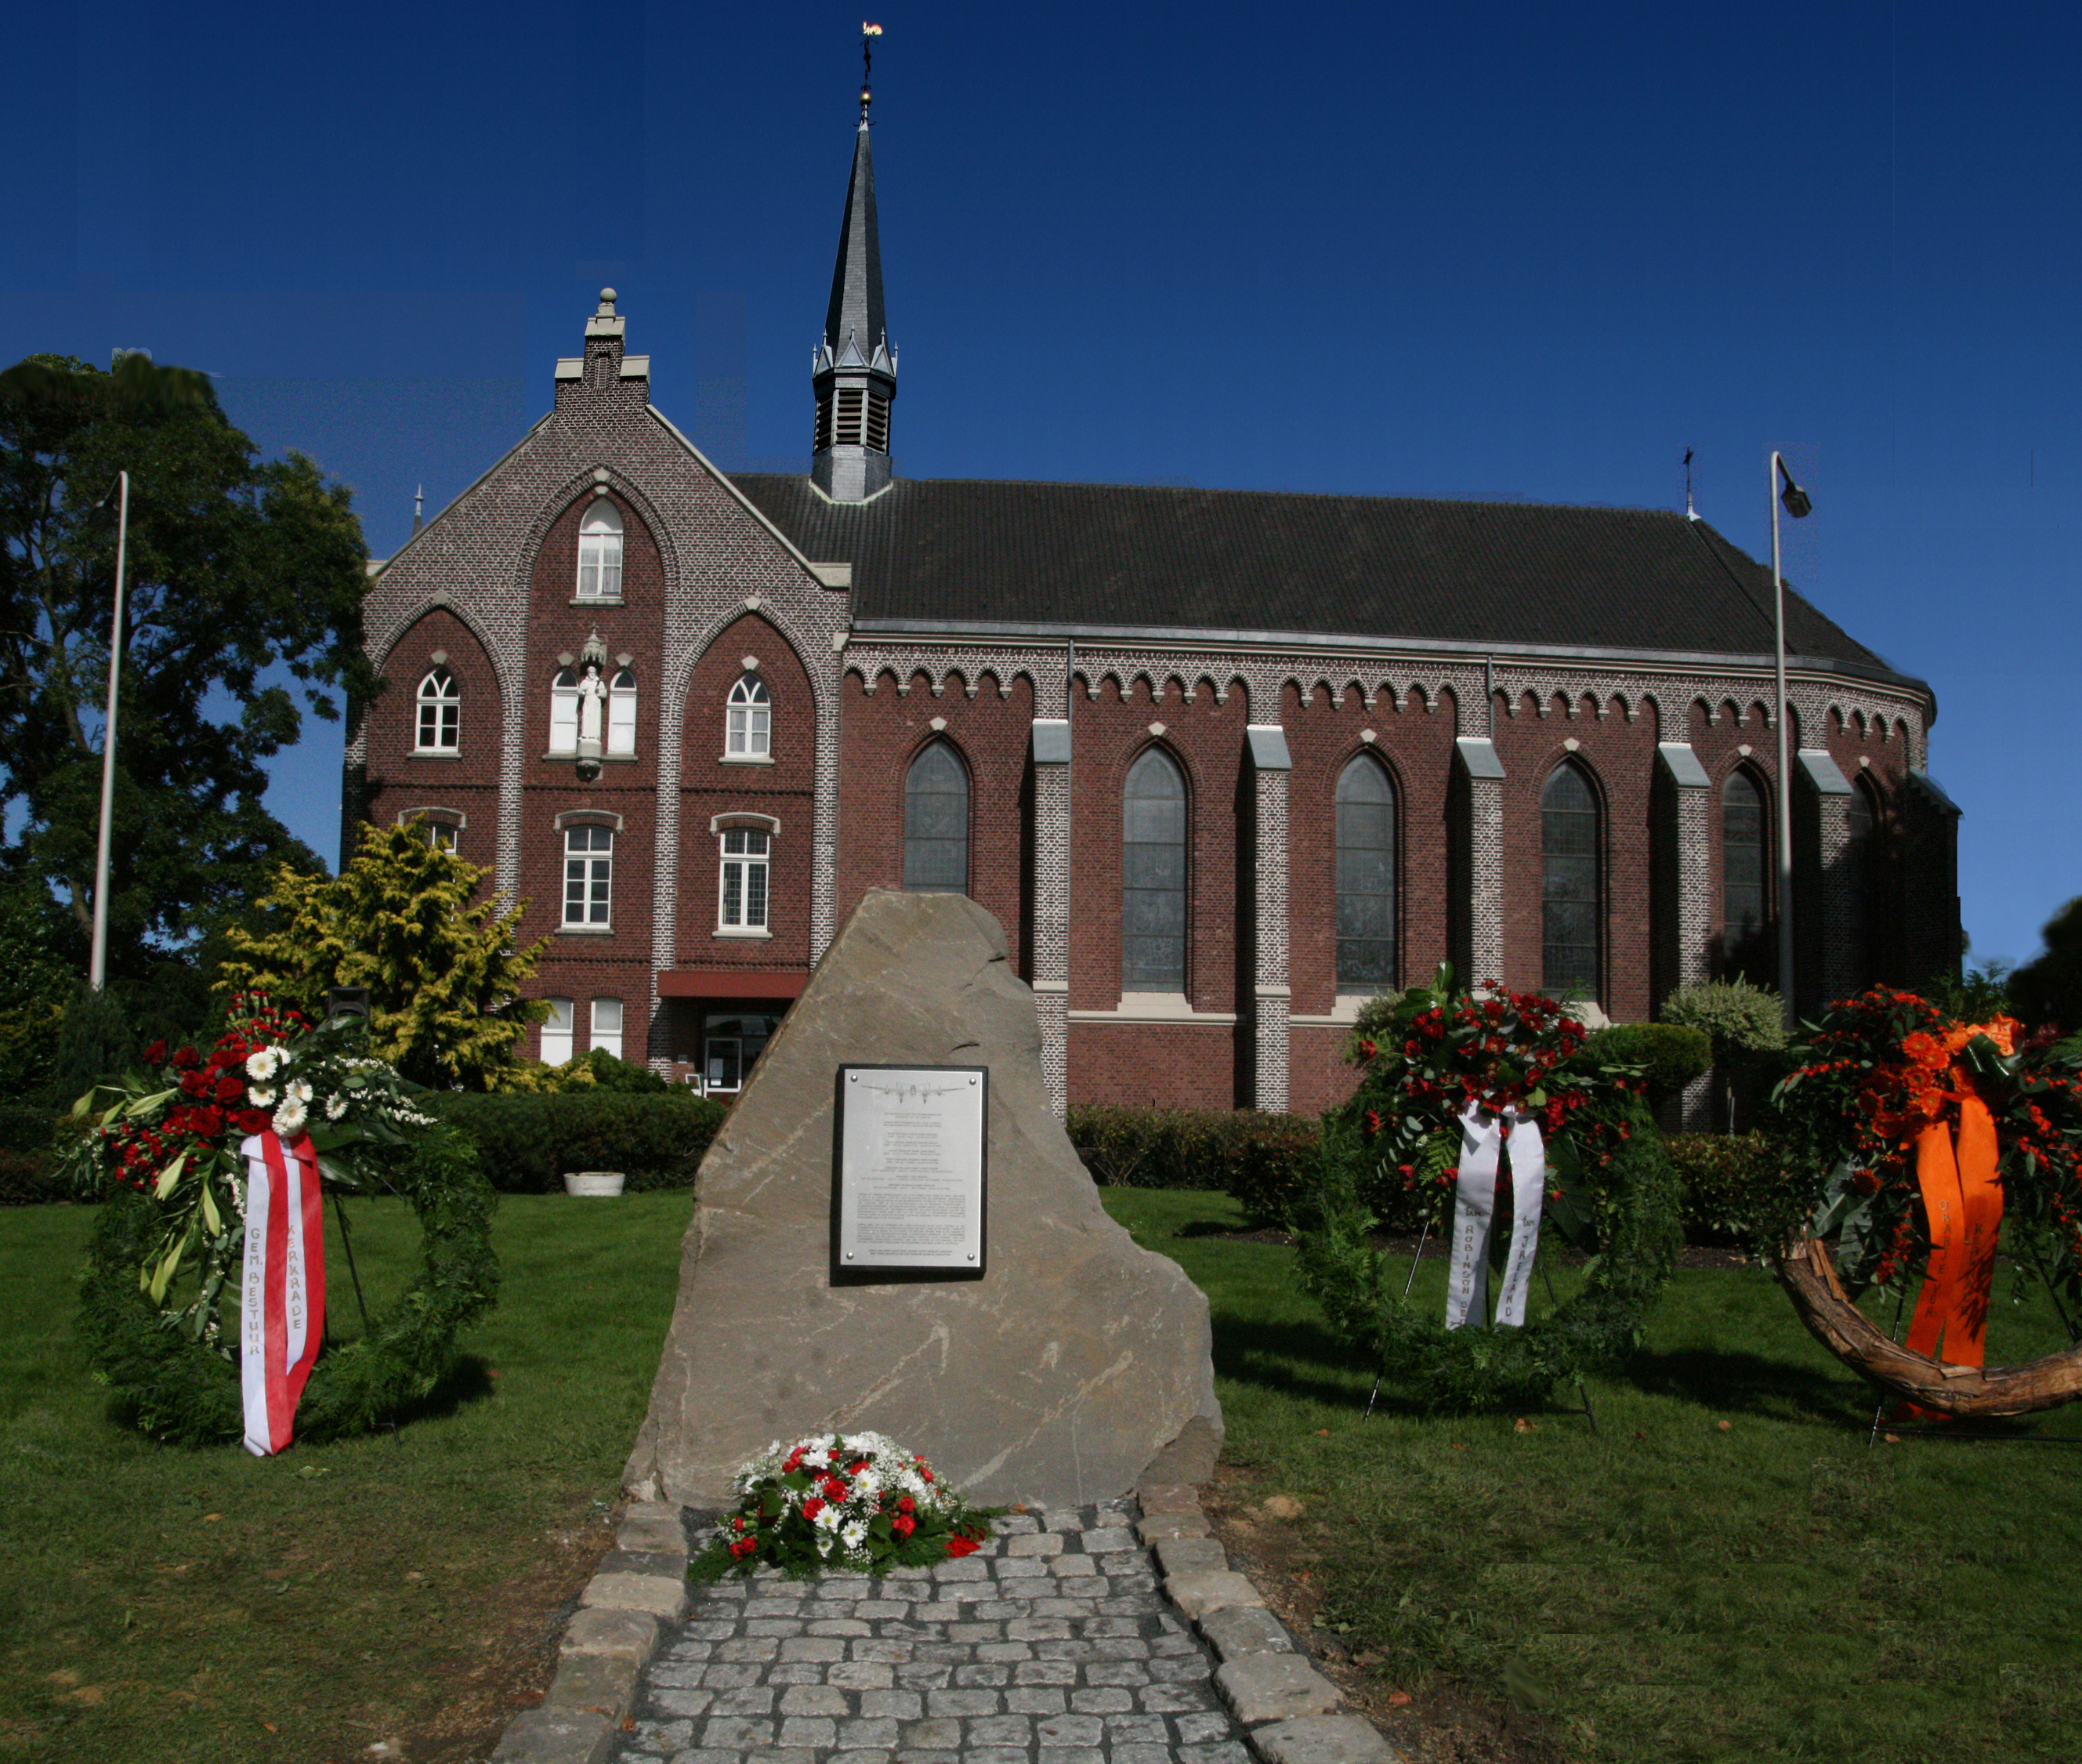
(237, 568)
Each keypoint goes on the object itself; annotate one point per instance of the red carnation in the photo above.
(251, 1121)
(959, 1545)
(903, 1525)
(812, 1507)
(906, 1505)
(187, 1059)
(230, 1089)
(156, 1054)
(835, 1491)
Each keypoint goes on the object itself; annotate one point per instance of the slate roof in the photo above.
(856, 310)
(964, 551)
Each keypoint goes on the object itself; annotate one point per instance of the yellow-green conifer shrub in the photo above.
(413, 923)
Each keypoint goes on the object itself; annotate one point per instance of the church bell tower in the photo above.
(854, 370)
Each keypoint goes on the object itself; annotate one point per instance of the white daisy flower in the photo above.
(853, 1535)
(289, 1119)
(262, 1064)
(336, 1106)
(827, 1519)
(260, 1096)
(298, 1091)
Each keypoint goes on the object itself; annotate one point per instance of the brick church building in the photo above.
(1223, 763)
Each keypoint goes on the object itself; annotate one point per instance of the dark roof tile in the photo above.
(1089, 555)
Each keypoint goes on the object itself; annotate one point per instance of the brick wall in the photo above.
(883, 731)
(1183, 1066)
(1206, 738)
(1618, 756)
(711, 785)
(398, 779)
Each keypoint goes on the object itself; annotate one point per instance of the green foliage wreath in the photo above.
(161, 1280)
(1613, 1190)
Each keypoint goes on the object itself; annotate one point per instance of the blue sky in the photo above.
(1533, 251)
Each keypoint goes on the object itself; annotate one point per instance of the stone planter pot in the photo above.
(593, 1182)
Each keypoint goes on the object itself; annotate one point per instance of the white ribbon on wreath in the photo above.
(1484, 1135)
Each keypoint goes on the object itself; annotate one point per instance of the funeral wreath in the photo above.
(854, 1502)
(1450, 1083)
(161, 1306)
(1913, 1144)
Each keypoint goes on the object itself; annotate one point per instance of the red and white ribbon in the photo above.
(1483, 1136)
(282, 1310)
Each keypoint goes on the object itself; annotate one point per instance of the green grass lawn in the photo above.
(164, 1604)
(1775, 1590)
(1724, 1571)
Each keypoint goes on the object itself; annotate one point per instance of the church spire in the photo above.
(854, 370)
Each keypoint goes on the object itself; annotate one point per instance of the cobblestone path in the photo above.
(1051, 1645)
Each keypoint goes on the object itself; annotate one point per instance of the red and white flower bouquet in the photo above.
(856, 1503)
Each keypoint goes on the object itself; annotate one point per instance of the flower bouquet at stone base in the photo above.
(851, 1503)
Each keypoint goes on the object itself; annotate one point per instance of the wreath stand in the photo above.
(1424, 1236)
(1808, 1274)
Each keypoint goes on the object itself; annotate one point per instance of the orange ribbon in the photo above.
(1963, 1195)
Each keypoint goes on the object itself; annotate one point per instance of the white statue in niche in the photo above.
(592, 695)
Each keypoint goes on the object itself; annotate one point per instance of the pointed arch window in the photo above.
(564, 712)
(936, 822)
(621, 713)
(1153, 903)
(1745, 865)
(1571, 885)
(748, 732)
(599, 552)
(441, 713)
(1366, 878)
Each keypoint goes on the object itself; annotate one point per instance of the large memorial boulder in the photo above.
(1074, 1367)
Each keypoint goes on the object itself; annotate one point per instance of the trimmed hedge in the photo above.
(28, 1164)
(1670, 1055)
(527, 1144)
(1259, 1159)
(1729, 1182)
(1262, 1159)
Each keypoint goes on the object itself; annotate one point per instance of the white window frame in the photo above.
(589, 861)
(622, 714)
(439, 702)
(564, 712)
(745, 894)
(748, 726)
(608, 1017)
(557, 1030)
(600, 553)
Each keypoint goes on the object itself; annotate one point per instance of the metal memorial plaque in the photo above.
(910, 1194)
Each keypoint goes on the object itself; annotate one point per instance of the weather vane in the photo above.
(868, 34)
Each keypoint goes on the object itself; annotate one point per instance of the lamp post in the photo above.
(97, 971)
(1799, 507)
